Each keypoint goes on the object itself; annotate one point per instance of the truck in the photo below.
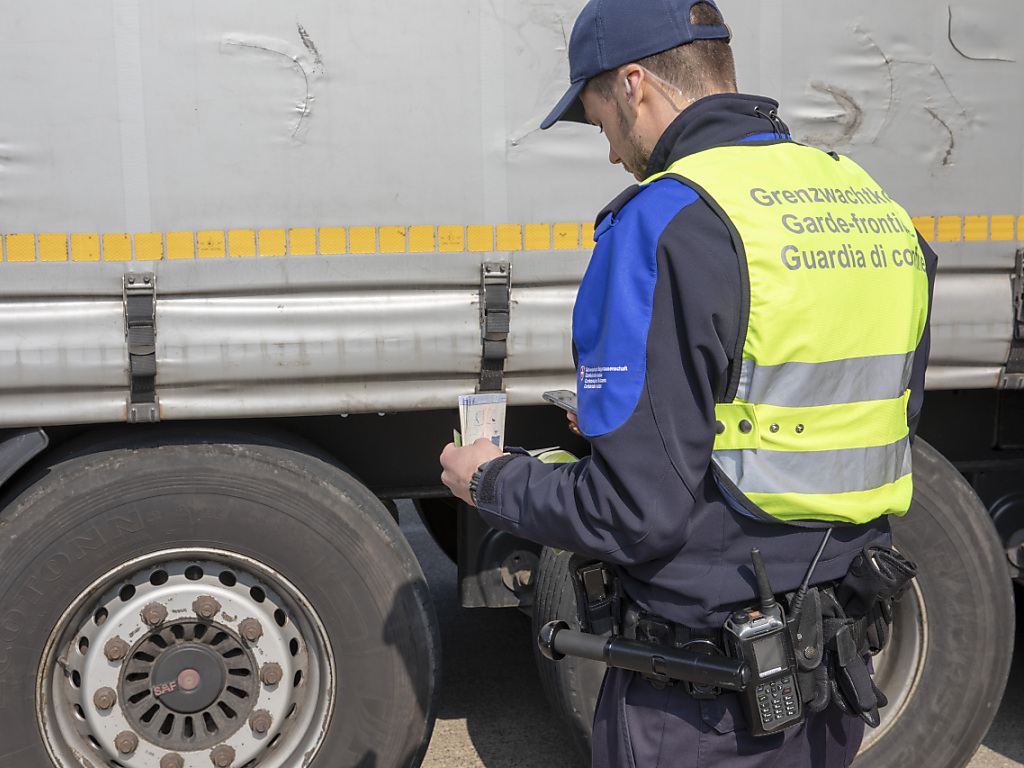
(253, 252)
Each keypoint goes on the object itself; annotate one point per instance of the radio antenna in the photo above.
(764, 589)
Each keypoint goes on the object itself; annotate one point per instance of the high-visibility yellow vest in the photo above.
(815, 422)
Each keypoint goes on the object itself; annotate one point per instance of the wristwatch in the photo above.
(474, 481)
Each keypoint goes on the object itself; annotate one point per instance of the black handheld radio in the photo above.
(758, 636)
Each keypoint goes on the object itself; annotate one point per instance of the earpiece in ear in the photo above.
(629, 91)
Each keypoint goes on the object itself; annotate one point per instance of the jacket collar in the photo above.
(718, 119)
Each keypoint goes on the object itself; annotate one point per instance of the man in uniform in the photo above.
(750, 339)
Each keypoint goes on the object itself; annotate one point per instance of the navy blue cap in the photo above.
(610, 33)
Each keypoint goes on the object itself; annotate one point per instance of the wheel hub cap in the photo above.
(188, 685)
(187, 679)
(162, 656)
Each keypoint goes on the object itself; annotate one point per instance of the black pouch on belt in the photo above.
(806, 629)
(856, 626)
(598, 595)
(877, 576)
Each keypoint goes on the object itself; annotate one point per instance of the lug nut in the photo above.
(260, 721)
(126, 742)
(205, 607)
(172, 760)
(222, 756)
(154, 614)
(104, 698)
(115, 649)
(251, 630)
(271, 674)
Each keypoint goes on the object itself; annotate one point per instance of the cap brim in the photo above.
(569, 107)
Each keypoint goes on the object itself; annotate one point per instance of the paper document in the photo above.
(482, 416)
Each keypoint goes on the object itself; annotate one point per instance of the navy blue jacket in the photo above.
(646, 500)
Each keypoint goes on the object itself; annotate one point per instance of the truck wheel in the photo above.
(165, 603)
(952, 638)
(571, 684)
(952, 641)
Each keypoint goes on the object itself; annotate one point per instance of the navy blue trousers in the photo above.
(639, 726)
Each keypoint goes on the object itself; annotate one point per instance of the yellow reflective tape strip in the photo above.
(565, 237)
(332, 241)
(272, 242)
(241, 242)
(53, 247)
(450, 239)
(537, 237)
(149, 246)
(421, 240)
(181, 245)
(392, 239)
(509, 237)
(302, 242)
(85, 247)
(117, 247)
(479, 238)
(210, 244)
(362, 240)
(968, 229)
(948, 229)
(473, 238)
(20, 247)
(975, 228)
(925, 226)
(1002, 228)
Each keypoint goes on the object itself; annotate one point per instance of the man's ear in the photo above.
(633, 86)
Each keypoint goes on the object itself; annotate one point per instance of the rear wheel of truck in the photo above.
(946, 666)
(235, 602)
(952, 637)
(570, 684)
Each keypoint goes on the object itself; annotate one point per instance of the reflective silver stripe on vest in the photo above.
(855, 380)
(812, 472)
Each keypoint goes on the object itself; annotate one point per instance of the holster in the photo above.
(599, 595)
(840, 627)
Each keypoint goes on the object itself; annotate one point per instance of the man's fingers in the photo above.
(459, 464)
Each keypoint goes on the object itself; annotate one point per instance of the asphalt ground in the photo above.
(492, 711)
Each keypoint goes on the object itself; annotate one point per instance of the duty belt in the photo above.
(814, 638)
(638, 624)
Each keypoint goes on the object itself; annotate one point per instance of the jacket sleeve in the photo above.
(924, 346)
(652, 356)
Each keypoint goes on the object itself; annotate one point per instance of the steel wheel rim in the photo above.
(898, 668)
(278, 724)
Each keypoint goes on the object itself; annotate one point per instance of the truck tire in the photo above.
(571, 684)
(167, 602)
(952, 637)
(946, 666)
